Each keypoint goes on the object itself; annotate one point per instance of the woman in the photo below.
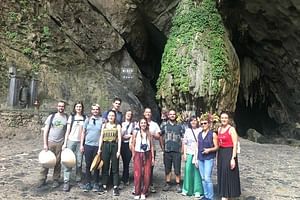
(89, 143)
(228, 169)
(109, 148)
(207, 147)
(192, 181)
(72, 141)
(143, 158)
(127, 129)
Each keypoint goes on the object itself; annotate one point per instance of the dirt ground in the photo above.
(267, 172)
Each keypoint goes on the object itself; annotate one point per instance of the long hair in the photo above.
(82, 110)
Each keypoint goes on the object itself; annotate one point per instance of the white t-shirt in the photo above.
(75, 131)
(127, 129)
(139, 141)
(190, 141)
(154, 130)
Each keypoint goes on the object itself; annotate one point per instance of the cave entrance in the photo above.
(253, 116)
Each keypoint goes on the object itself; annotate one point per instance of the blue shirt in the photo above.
(92, 126)
(207, 142)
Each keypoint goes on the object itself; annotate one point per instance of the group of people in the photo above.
(111, 137)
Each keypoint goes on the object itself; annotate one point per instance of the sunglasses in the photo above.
(204, 123)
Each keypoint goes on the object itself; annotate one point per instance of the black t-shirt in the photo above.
(172, 134)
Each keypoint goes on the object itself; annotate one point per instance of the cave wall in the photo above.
(84, 50)
(266, 37)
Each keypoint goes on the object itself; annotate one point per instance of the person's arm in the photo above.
(101, 140)
(67, 134)
(82, 137)
(152, 149)
(214, 148)
(45, 136)
(132, 144)
(119, 140)
(161, 143)
(234, 138)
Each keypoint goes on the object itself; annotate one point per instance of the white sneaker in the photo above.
(136, 197)
(143, 196)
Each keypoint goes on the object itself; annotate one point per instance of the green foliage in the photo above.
(11, 35)
(194, 26)
(46, 32)
(27, 51)
(13, 16)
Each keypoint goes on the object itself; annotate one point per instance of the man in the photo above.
(53, 137)
(155, 131)
(172, 134)
(116, 107)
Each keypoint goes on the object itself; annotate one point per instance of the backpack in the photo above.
(73, 119)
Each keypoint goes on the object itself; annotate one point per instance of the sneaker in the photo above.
(152, 189)
(66, 187)
(136, 197)
(55, 184)
(183, 193)
(122, 185)
(104, 188)
(143, 196)
(96, 187)
(41, 183)
(87, 187)
(178, 188)
(116, 191)
(167, 187)
(133, 190)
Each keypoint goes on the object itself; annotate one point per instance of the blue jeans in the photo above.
(205, 169)
(75, 147)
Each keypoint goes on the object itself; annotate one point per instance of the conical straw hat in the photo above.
(68, 158)
(97, 163)
(47, 159)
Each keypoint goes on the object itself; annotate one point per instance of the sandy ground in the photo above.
(267, 172)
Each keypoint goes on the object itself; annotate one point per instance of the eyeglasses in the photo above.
(204, 123)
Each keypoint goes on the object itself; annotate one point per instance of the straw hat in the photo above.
(97, 163)
(68, 158)
(47, 159)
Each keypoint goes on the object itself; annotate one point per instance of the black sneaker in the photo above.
(96, 187)
(167, 187)
(55, 184)
(87, 187)
(104, 188)
(66, 187)
(152, 189)
(116, 191)
(178, 188)
(41, 183)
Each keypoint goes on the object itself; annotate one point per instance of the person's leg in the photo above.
(56, 149)
(106, 162)
(168, 168)
(208, 167)
(202, 173)
(137, 173)
(126, 157)
(96, 174)
(152, 188)
(88, 154)
(115, 164)
(147, 172)
(176, 157)
(188, 176)
(197, 186)
(78, 154)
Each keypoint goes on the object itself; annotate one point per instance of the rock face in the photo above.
(200, 69)
(94, 50)
(85, 50)
(266, 36)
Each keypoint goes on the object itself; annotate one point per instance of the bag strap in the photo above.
(194, 135)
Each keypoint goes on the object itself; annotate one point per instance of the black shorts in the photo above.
(175, 158)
